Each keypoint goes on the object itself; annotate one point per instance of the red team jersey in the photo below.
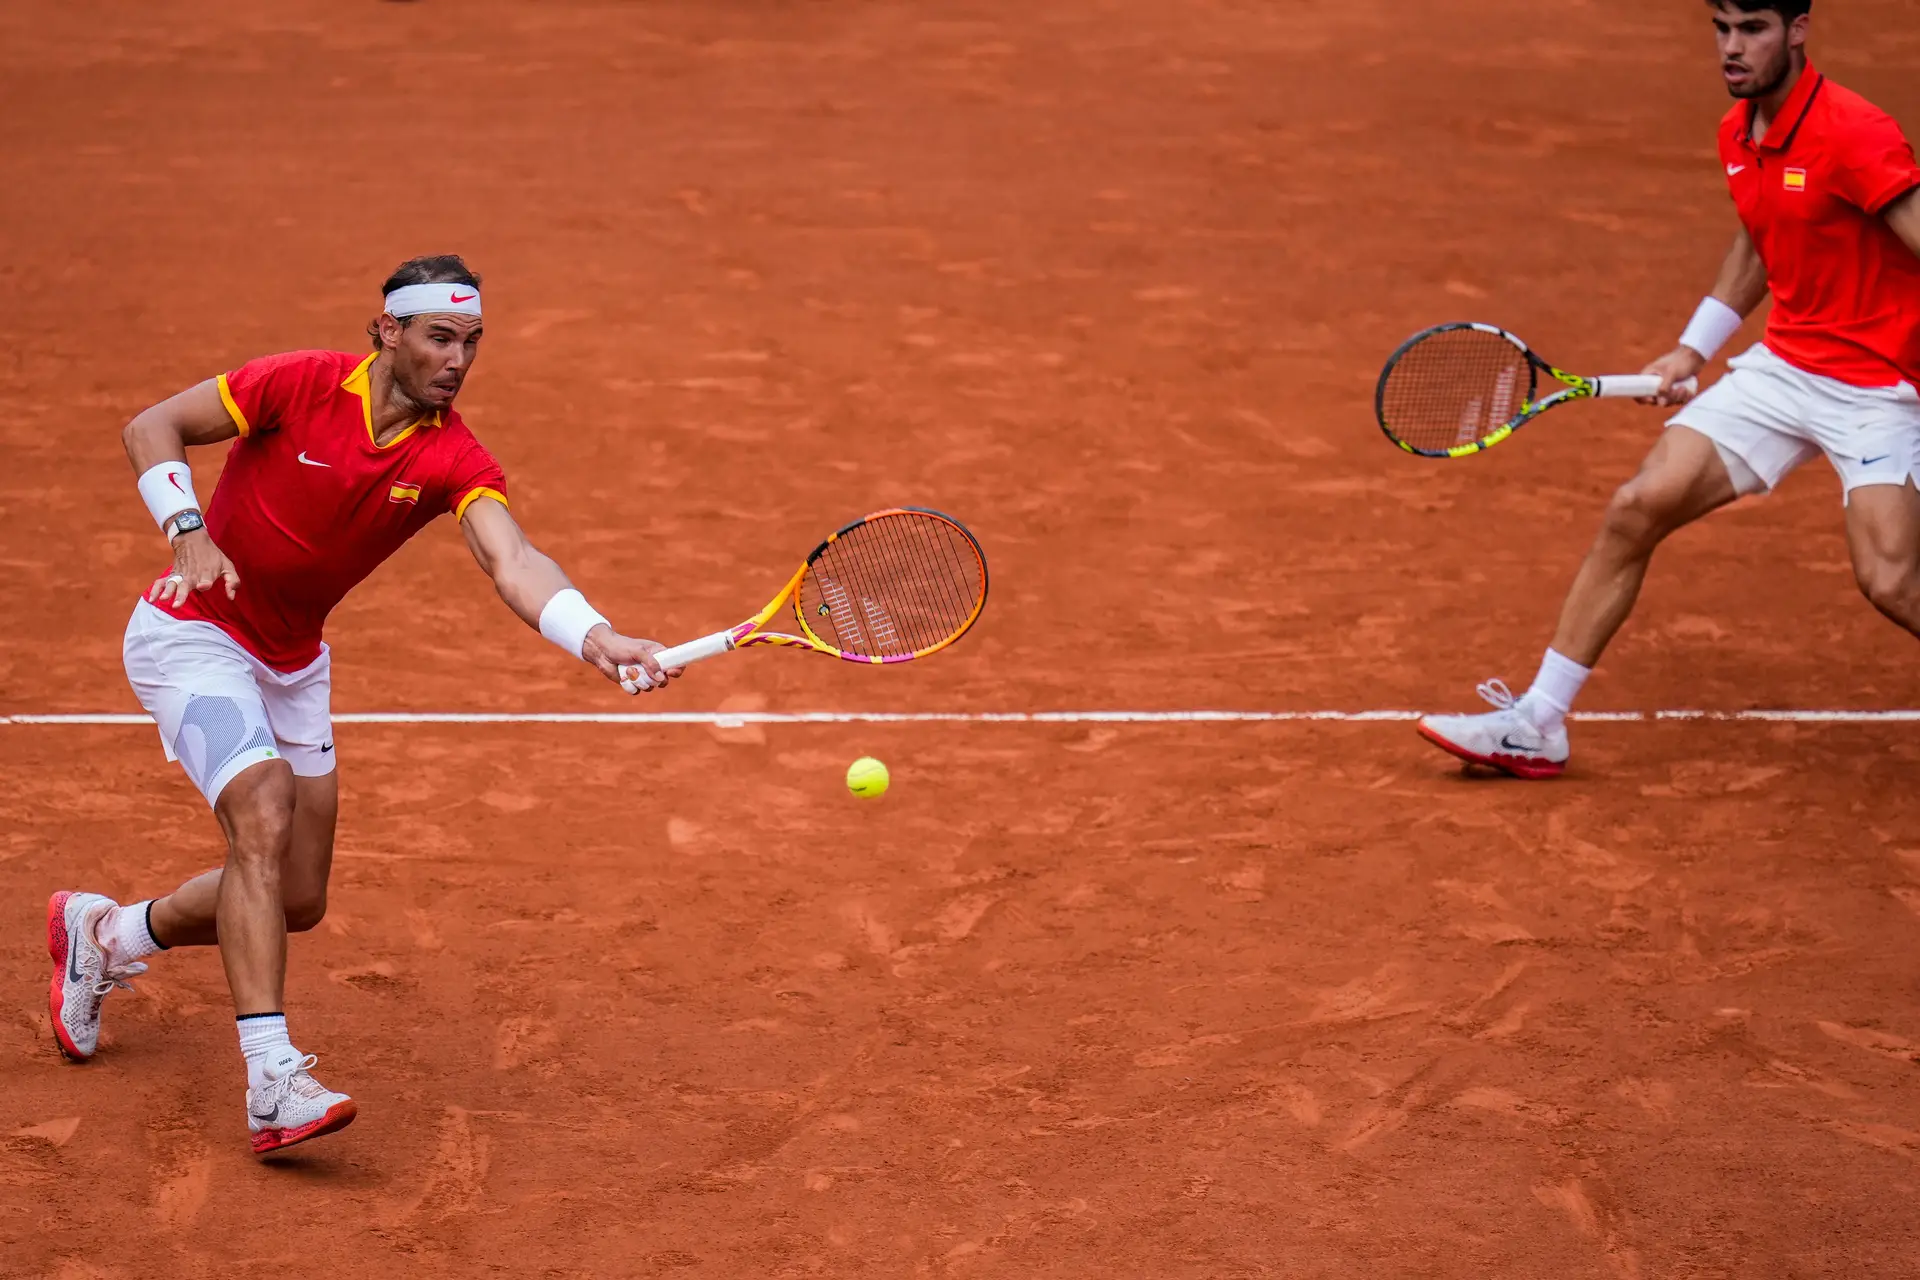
(309, 505)
(1846, 289)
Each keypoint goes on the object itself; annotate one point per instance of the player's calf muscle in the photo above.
(304, 910)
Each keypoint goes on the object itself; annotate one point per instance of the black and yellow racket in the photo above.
(890, 587)
(1456, 389)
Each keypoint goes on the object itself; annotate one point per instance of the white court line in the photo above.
(735, 719)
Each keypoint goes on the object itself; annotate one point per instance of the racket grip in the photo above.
(694, 650)
(1636, 386)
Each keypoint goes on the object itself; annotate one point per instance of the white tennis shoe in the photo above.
(1503, 739)
(83, 972)
(292, 1106)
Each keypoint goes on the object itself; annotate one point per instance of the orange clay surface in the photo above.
(1110, 281)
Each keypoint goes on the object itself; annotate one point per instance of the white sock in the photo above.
(261, 1034)
(1555, 687)
(127, 934)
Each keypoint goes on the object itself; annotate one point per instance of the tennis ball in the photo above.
(867, 777)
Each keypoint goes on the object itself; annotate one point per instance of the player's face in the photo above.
(1756, 49)
(431, 357)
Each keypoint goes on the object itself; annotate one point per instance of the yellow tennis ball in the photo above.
(867, 777)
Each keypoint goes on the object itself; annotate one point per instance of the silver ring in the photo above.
(174, 577)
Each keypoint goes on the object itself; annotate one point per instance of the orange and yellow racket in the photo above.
(890, 587)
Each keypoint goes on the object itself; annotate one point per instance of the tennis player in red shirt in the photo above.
(340, 458)
(1828, 195)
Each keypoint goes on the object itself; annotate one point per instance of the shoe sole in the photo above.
(57, 948)
(338, 1117)
(1512, 766)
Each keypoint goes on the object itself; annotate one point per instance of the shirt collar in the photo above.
(1794, 110)
(360, 383)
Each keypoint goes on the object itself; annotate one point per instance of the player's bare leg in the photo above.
(256, 812)
(1683, 478)
(187, 917)
(279, 831)
(1883, 536)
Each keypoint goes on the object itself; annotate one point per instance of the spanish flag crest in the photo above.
(1794, 180)
(404, 492)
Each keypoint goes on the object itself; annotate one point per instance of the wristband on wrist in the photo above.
(1712, 324)
(167, 489)
(567, 618)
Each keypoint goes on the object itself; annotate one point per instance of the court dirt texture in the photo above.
(1111, 282)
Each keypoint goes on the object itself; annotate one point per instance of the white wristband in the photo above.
(1712, 324)
(567, 618)
(167, 489)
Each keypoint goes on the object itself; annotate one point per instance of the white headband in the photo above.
(436, 299)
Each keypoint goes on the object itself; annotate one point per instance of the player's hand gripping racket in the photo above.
(890, 587)
(1456, 389)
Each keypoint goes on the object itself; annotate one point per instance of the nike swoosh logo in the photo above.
(266, 1117)
(326, 748)
(175, 477)
(1734, 168)
(310, 462)
(1867, 462)
(73, 949)
(454, 297)
(1511, 745)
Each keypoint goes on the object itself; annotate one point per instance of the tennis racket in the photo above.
(890, 587)
(1456, 389)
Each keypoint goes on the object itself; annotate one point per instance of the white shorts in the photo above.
(1773, 417)
(220, 709)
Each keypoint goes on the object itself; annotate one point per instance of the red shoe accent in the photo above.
(1515, 766)
(338, 1117)
(57, 943)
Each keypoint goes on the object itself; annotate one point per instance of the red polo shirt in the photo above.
(1846, 290)
(308, 504)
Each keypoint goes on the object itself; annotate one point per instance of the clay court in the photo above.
(1111, 281)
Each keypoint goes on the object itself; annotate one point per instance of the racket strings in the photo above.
(898, 584)
(1454, 387)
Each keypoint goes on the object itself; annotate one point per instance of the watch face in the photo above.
(187, 522)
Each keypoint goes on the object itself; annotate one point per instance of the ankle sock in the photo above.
(127, 932)
(261, 1034)
(1551, 696)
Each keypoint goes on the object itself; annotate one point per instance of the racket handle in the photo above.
(1636, 386)
(694, 650)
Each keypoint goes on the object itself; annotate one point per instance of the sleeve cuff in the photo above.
(474, 494)
(1878, 205)
(233, 410)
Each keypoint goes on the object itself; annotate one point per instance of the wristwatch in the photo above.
(186, 522)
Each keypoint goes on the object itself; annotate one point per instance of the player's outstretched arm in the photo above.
(1739, 288)
(536, 589)
(156, 442)
(1903, 216)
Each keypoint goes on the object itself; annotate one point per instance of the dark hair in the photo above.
(435, 268)
(1787, 9)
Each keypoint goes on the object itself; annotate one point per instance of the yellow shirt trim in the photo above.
(478, 491)
(233, 410)
(360, 382)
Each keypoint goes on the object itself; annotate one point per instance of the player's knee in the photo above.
(1638, 514)
(306, 911)
(258, 809)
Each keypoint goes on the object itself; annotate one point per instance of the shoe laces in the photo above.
(116, 976)
(298, 1081)
(1496, 692)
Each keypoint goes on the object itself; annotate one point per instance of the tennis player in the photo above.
(1828, 195)
(340, 458)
